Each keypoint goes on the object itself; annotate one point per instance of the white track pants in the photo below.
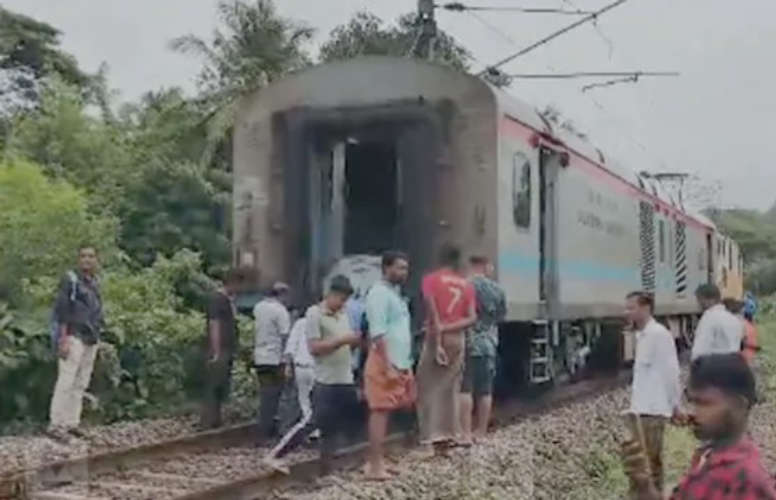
(73, 376)
(304, 377)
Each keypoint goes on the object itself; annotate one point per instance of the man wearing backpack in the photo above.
(77, 325)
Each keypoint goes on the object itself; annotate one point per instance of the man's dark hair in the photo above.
(341, 284)
(479, 260)
(709, 292)
(87, 246)
(450, 256)
(278, 289)
(643, 299)
(733, 305)
(729, 373)
(391, 256)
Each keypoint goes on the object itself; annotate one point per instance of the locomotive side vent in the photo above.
(681, 259)
(647, 240)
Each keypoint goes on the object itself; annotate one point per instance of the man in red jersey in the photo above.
(450, 308)
(721, 392)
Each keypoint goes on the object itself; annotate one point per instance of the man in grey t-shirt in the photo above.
(329, 338)
(273, 324)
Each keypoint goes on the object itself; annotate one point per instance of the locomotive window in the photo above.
(662, 240)
(521, 190)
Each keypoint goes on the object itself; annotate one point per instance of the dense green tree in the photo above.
(164, 123)
(367, 34)
(171, 206)
(42, 222)
(30, 52)
(139, 167)
(31, 44)
(754, 232)
(70, 144)
(253, 47)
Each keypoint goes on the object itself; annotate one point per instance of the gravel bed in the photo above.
(226, 465)
(110, 491)
(570, 453)
(178, 475)
(34, 450)
(516, 462)
(25, 452)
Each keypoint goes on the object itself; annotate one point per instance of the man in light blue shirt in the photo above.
(389, 383)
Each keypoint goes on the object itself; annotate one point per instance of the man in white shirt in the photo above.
(298, 359)
(718, 331)
(272, 326)
(656, 391)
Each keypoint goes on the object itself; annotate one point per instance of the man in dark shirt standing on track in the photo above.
(79, 323)
(222, 345)
(728, 467)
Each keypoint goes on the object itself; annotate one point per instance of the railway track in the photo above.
(226, 465)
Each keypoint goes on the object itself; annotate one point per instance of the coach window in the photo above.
(521, 190)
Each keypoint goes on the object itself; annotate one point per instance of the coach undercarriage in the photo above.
(547, 353)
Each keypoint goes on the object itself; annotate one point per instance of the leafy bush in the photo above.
(761, 277)
(148, 363)
(172, 206)
(26, 366)
(42, 223)
(71, 144)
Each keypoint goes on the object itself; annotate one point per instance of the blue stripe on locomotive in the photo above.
(528, 266)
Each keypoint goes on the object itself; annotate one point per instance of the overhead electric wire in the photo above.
(598, 30)
(609, 83)
(493, 28)
(592, 74)
(460, 7)
(554, 35)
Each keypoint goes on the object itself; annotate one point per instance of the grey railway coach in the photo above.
(347, 159)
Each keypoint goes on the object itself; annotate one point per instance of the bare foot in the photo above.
(388, 468)
(379, 475)
(464, 443)
(442, 448)
(427, 451)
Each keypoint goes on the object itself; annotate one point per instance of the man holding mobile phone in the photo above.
(656, 392)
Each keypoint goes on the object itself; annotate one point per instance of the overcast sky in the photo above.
(715, 120)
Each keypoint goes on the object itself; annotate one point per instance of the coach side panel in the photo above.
(598, 252)
(518, 220)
